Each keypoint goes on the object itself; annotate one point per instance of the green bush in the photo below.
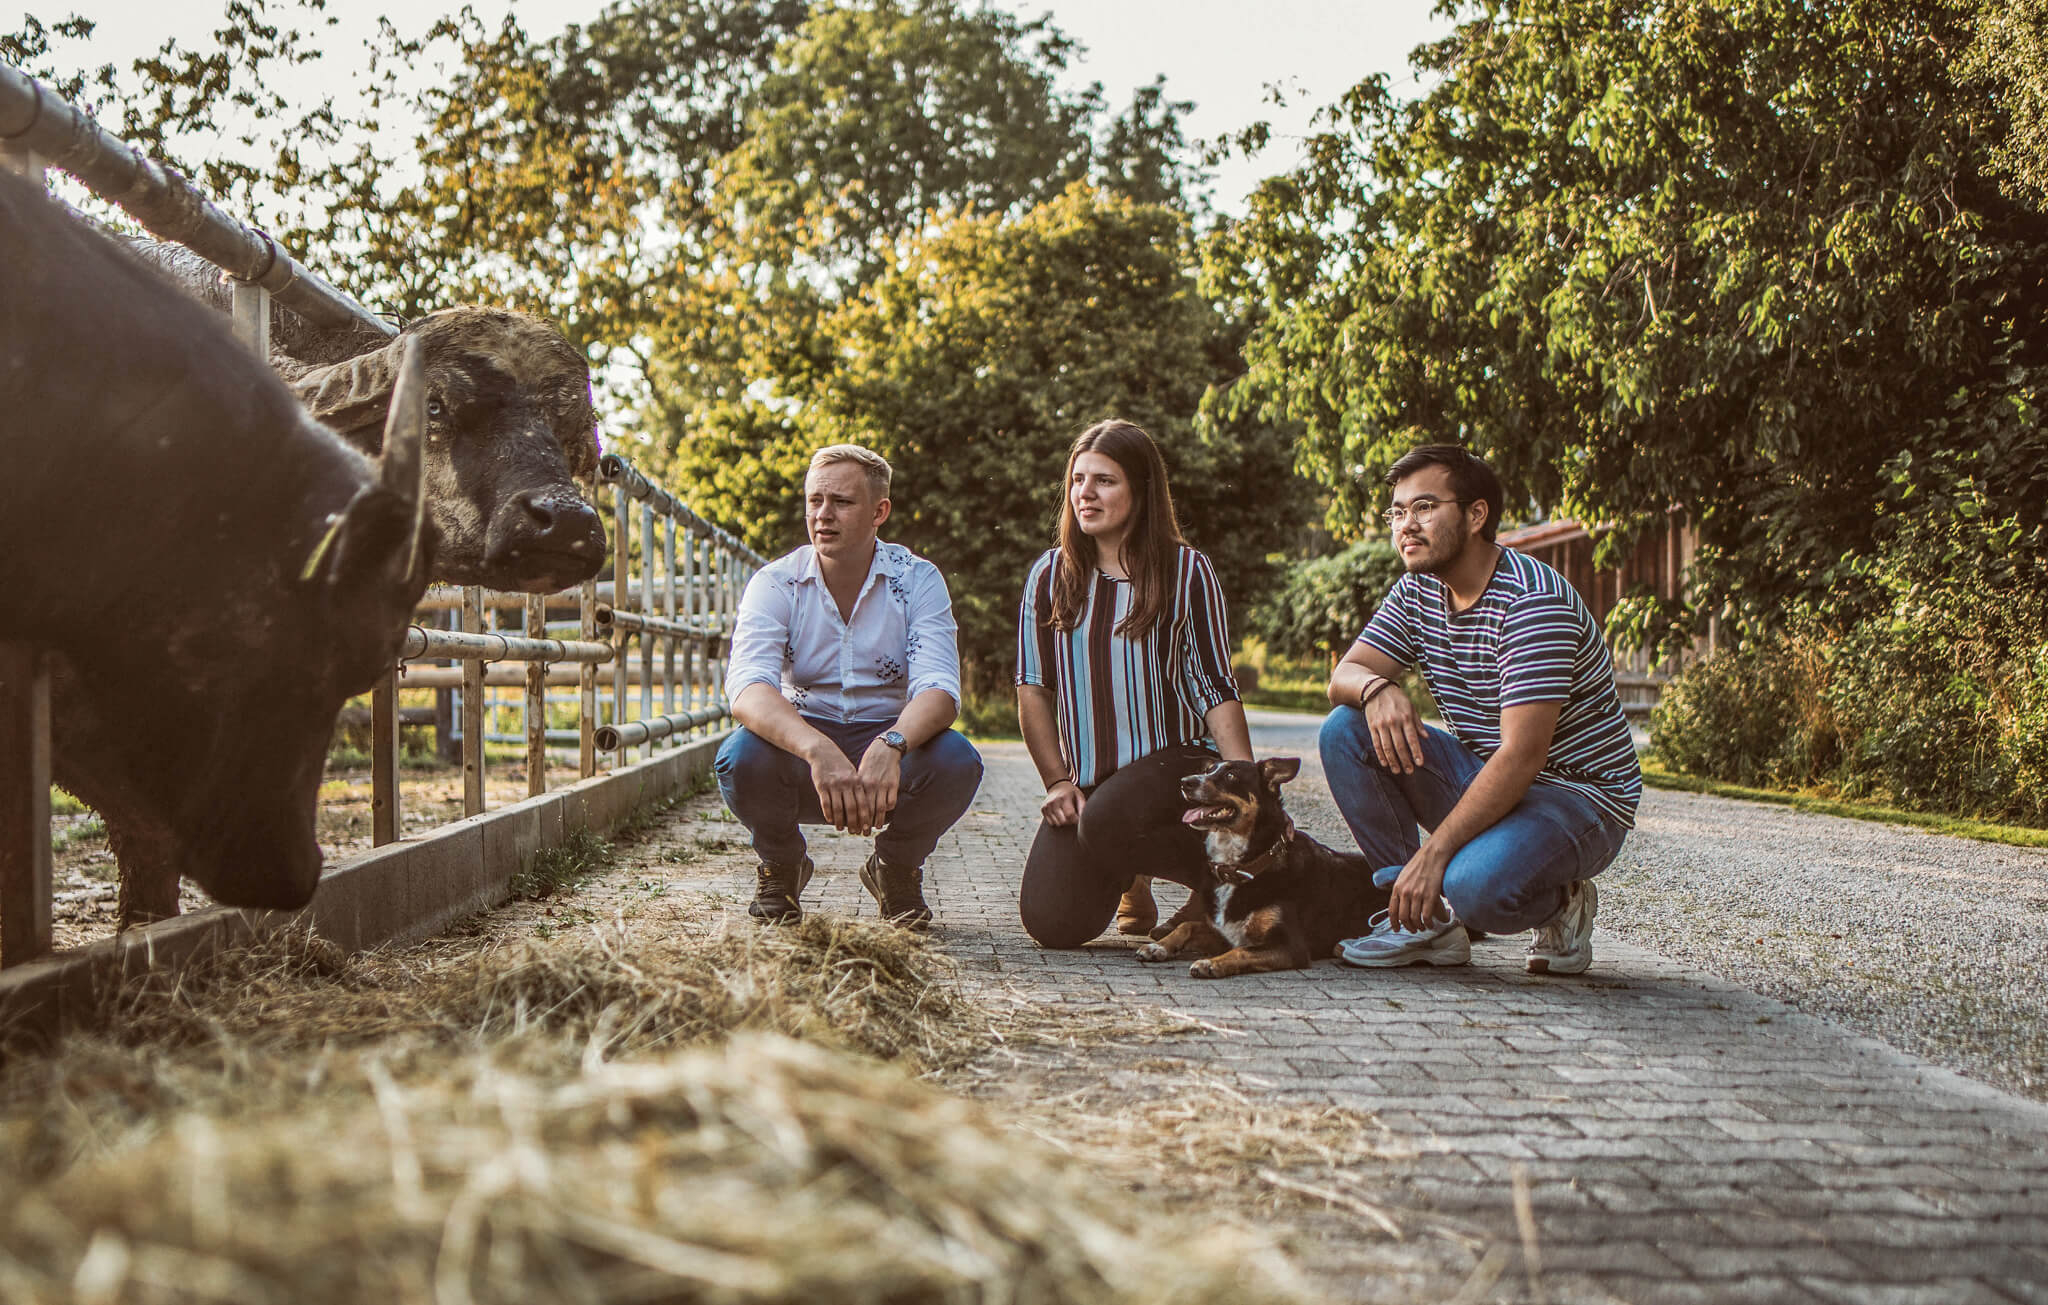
(1321, 604)
(1745, 717)
(1934, 699)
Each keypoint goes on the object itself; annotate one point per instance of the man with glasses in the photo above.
(1531, 790)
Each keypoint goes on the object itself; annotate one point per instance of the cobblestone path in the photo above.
(1680, 1138)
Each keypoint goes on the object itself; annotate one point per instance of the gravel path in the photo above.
(1934, 944)
(1937, 945)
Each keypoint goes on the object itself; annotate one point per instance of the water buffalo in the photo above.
(215, 571)
(510, 426)
(510, 430)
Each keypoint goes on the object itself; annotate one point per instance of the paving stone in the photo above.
(1939, 1291)
(1681, 1139)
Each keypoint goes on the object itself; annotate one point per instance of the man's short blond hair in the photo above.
(874, 463)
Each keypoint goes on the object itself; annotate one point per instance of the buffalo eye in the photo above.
(435, 408)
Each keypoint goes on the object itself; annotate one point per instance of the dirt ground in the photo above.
(85, 885)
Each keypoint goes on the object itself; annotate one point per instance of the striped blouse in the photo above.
(1528, 639)
(1121, 699)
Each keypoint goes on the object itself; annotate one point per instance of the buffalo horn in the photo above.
(405, 435)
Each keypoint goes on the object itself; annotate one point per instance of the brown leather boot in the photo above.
(898, 891)
(776, 889)
(1137, 912)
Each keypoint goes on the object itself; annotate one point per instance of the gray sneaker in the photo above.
(1565, 945)
(1443, 943)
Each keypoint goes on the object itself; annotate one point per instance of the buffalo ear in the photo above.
(1278, 770)
(351, 397)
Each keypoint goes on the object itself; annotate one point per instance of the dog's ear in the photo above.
(1278, 770)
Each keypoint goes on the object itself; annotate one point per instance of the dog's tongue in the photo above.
(1191, 815)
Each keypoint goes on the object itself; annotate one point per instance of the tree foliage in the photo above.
(182, 104)
(1744, 257)
(972, 361)
(1321, 603)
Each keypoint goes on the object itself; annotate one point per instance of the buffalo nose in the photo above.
(559, 522)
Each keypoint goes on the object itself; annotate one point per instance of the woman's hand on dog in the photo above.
(1063, 803)
(1396, 731)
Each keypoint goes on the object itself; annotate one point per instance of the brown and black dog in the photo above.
(1276, 899)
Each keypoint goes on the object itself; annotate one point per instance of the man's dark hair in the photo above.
(1471, 479)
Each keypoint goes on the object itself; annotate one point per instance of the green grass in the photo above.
(562, 869)
(1289, 699)
(1657, 776)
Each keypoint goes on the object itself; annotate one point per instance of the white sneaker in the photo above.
(1443, 943)
(1565, 945)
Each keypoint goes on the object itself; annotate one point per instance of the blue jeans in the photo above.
(771, 793)
(1512, 876)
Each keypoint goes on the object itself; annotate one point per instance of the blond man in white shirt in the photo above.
(845, 679)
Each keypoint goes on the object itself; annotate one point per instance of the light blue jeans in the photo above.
(771, 793)
(1512, 876)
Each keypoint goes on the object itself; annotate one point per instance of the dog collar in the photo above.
(1241, 870)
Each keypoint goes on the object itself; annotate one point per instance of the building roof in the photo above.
(1542, 535)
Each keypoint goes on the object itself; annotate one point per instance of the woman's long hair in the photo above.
(1150, 539)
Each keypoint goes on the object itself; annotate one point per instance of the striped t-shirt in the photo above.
(1121, 699)
(1528, 639)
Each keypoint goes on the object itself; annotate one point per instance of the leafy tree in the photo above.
(972, 362)
(1744, 257)
(1321, 603)
(689, 184)
(181, 104)
(2010, 60)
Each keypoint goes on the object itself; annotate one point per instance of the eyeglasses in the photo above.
(1419, 509)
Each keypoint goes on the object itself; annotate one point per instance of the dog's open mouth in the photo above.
(1196, 815)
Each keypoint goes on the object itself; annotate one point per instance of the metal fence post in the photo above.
(25, 862)
(668, 611)
(26, 163)
(386, 823)
(536, 701)
(472, 708)
(586, 687)
(646, 609)
(622, 599)
(251, 311)
(693, 651)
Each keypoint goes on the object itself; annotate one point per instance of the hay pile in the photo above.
(607, 1117)
(272, 1024)
(765, 1170)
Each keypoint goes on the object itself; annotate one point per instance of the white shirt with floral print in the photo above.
(900, 640)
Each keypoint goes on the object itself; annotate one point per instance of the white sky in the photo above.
(1222, 54)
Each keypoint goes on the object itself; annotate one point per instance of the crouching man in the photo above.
(1530, 793)
(845, 679)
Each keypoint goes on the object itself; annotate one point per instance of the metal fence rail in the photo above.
(681, 645)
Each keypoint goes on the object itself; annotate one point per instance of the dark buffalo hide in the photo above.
(215, 572)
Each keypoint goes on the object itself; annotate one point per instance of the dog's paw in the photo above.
(1154, 952)
(1203, 969)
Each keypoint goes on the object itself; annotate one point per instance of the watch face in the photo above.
(895, 739)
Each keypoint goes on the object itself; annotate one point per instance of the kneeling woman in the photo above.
(1123, 688)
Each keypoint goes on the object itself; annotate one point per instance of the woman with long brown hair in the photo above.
(1123, 688)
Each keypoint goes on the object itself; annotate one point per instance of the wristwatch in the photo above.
(895, 739)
